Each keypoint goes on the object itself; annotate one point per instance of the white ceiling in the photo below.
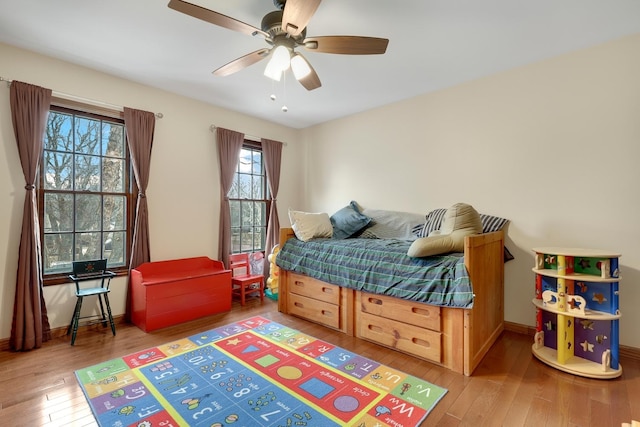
(433, 44)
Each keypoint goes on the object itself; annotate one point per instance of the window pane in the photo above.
(234, 207)
(87, 136)
(58, 135)
(235, 239)
(113, 213)
(113, 248)
(246, 211)
(244, 186)
(234, 192)
(88, 246)
(257, 163)
(244, 162)
(57, 170)
(257, 187)
(88, 212)
(112, 175)
(87, 173)
(112, 140)
(58, 210)
(58, 252)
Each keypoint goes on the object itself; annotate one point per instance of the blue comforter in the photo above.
(381, 266)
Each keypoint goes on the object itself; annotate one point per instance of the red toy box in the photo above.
(165, 293)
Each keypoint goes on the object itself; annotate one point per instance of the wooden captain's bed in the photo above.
(456, 338)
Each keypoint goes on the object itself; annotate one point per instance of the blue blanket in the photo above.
(381, 266)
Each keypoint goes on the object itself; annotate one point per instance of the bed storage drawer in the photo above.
(314, 310)
(422, 315)
(419, 342)
(313, 288)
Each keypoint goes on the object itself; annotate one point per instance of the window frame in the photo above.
(130, 194)
(253, 146)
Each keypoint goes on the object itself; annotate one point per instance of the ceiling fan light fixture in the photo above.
(300, 66)
(279, 62)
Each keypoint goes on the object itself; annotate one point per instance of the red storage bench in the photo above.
(165, 293)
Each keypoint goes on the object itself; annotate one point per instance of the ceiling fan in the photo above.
(285, 30)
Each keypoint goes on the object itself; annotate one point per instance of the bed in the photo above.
(455, 334)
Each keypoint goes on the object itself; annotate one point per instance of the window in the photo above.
(84, 192)
(249, 201)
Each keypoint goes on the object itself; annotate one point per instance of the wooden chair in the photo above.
(244, 283)
(91, 271)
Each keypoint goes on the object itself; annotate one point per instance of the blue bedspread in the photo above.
(381, 266)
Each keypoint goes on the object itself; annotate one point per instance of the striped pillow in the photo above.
(433, 222)
(490, 223)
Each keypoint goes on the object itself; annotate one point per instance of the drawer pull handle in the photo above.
(374, 328)
(327, 290)
(421, 311)
(375, 301)
(298, 283)
(326, 313)
(420, 342)
(297, 304)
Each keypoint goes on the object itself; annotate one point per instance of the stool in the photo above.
(85, 271)
(244, 283)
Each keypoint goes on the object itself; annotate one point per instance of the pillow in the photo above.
(307, 226)
(434, 218)
(433, 221)
(348, 221)
(393, 224)
(492, 223)
(459, 221)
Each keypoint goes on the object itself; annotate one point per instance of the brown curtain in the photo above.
(272, 152)
(29, 109)
(229, 144)
(140, 126)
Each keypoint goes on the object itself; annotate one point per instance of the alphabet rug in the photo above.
(255, 372)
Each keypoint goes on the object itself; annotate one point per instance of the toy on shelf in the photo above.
(274, 273)
(577, 316)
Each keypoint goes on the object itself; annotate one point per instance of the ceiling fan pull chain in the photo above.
(284, 91)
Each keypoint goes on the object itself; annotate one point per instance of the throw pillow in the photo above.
(348, 221)
(393, 224)
(460, 220)
(307, 225)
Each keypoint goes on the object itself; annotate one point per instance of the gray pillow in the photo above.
(393, 224)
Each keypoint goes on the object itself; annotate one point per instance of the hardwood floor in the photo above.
(509, 388)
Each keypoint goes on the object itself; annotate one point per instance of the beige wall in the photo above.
(183, 191)
(553, 146)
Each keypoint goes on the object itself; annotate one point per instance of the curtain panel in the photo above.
(272, 151)
(140, 127)
(29, 110)
(229, 144)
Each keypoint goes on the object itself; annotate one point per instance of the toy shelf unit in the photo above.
(577, 301)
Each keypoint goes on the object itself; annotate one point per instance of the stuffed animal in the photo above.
(459, 221)
(274, 271)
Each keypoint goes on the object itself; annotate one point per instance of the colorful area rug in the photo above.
(253, 373)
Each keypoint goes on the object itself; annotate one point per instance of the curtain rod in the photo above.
(212, 128)
(93, 102)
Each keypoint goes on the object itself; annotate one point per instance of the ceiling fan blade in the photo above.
(296, 15)
(215, 18)
(348, 45)
(311, 81)
(242, 62)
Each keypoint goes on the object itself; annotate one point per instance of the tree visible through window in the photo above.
(248, 201)
(84, 190)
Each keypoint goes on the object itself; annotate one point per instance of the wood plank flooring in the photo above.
(509, 388)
